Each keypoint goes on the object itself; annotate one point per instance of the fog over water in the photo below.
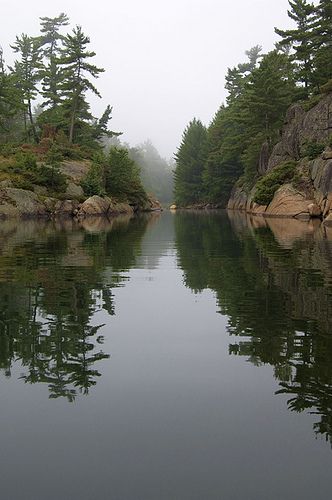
(165, 62)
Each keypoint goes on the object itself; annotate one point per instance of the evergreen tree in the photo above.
(223, 166)
(322, 38)
(270, 91)
(190, 159)
(76, 70)
(122, 176)
(300, 39)
(27, 71)
(237, 77)
(9, 97)
(50, 43)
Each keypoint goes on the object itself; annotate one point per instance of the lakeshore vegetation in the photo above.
(46, 118)
(211, 160)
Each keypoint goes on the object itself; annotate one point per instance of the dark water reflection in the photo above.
(195, 350)
(53, 278)
(273, 279)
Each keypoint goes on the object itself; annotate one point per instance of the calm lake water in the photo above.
(167, 357)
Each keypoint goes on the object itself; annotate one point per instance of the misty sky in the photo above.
(165, 61)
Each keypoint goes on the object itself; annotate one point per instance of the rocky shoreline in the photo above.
(24, 203)
(311, 195)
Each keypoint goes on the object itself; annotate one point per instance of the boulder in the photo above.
(66, 208)
(173, 207)
(289, 202)
(74, 190)
(75, 170)
(95, 205)
(120, 208)
(314, 210)
(16, 202)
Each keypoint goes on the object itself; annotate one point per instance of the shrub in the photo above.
(49, 177)
(327, 87)
(93, 182)
(8, 150)
(270, 183)
(312, 149)
(311, 102)
(25, 161)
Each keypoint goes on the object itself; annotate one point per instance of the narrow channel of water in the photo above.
(166, 357)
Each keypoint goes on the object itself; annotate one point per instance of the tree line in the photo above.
(55, 70)
(211, 159)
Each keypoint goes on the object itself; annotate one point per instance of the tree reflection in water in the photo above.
(53, 279)
(273, 279)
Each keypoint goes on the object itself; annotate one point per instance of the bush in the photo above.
(122, 179)
(327, 87)
(25, 161)
(93, 182)
(270, 183)
(8, 150)
(313, 149)
(311, 102)
(49, 177)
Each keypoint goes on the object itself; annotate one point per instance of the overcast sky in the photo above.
(165, 61)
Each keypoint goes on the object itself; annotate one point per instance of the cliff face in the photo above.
(313, 195)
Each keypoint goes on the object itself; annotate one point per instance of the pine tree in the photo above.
(10, 98)
(27, 71)
(50, 43)
(270, 91)
(122, 177)
(223, 167)
(190, 159)
(75, 83)
(300, 39)
(237, 77)
(322, 36)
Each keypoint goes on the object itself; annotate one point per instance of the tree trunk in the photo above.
(33, 128)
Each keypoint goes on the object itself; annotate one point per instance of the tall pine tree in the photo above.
(300, 39)
(27, 73)
(76, 70)
(190, 160)
(322, 38)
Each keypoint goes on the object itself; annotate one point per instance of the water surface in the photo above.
(181, 356)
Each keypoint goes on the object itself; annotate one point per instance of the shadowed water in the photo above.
(173, 356)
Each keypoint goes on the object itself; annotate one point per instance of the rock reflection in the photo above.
(273, 279)
(53, 278)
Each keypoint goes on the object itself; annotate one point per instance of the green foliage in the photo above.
(94, 181)
(7, 150)
(49, 177)
(311, 102)
(270, 183)
(76, 70)
(24, 171)
(26, 161)
(190, 160)
(122, 177)
(310, 44)
(327, 87)
(313, 149)
(300, 39)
